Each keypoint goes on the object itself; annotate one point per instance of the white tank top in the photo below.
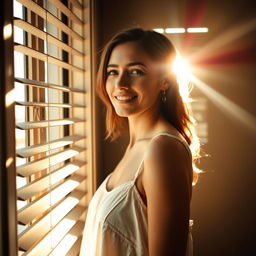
(116, 222)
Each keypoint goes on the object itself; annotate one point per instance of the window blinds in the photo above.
(53, 130)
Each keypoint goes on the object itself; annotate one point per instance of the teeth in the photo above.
(124, 98)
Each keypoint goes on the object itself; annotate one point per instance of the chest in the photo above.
(127, 169)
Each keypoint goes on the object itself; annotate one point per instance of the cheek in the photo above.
(108, 88)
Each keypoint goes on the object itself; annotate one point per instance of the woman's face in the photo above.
(133, 82)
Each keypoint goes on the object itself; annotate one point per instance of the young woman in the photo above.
(143, 206)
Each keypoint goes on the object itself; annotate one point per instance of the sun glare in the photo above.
(181, 68)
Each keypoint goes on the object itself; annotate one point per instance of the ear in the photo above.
(164, 84)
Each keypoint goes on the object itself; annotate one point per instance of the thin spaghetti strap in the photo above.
(184, 143)
(139, 168)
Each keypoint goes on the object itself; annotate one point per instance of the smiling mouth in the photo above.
(125, 99)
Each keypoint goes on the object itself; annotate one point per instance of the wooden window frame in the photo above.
(8, 221)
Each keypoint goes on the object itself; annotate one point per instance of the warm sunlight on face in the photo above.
(181, 69)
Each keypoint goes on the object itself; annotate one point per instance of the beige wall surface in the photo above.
(223, 205)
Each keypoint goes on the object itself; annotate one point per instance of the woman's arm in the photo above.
(167, 181)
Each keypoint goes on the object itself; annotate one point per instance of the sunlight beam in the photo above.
(225, 104)
(223, 39)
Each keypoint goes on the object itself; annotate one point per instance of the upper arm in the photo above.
(167, 182)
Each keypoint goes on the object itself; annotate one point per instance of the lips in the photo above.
(125, 98)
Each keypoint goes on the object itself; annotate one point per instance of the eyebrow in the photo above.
(129, 65)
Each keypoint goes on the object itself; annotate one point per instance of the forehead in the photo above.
(129, 52)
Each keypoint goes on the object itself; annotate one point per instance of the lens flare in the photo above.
(181, 68)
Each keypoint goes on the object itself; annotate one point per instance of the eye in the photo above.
(137, 72)
(112, 72)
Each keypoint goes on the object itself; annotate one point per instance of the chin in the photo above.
(124, 113)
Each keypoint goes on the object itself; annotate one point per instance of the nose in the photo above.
(122, 80)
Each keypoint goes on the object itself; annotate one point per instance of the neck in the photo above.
(143, 126)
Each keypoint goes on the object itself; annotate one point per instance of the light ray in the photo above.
(225, 38)
(226, 104)
(220, 76)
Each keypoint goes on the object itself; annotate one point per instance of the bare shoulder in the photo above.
(167, 163)
(166, 148)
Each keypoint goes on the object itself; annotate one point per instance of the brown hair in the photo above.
(175, 111)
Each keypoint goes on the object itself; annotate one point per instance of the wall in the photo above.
(224, 198)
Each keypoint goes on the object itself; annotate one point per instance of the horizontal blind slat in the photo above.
(41, 205)
(42, 183)
(46, 36)
(45, 57)
(44, 246)
(64, 9)
(47, 85)
(36, 232)
(75, 249)
(31, 5)
(46, 104)
(38, 149)
(38, 165)
(47, 123)
(54, 20)
(76, 4)
(68, 241)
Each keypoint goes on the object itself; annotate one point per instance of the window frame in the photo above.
(8, 221)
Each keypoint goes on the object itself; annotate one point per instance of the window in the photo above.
(53, 124)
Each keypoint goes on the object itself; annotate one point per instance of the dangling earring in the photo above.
(163, 96)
